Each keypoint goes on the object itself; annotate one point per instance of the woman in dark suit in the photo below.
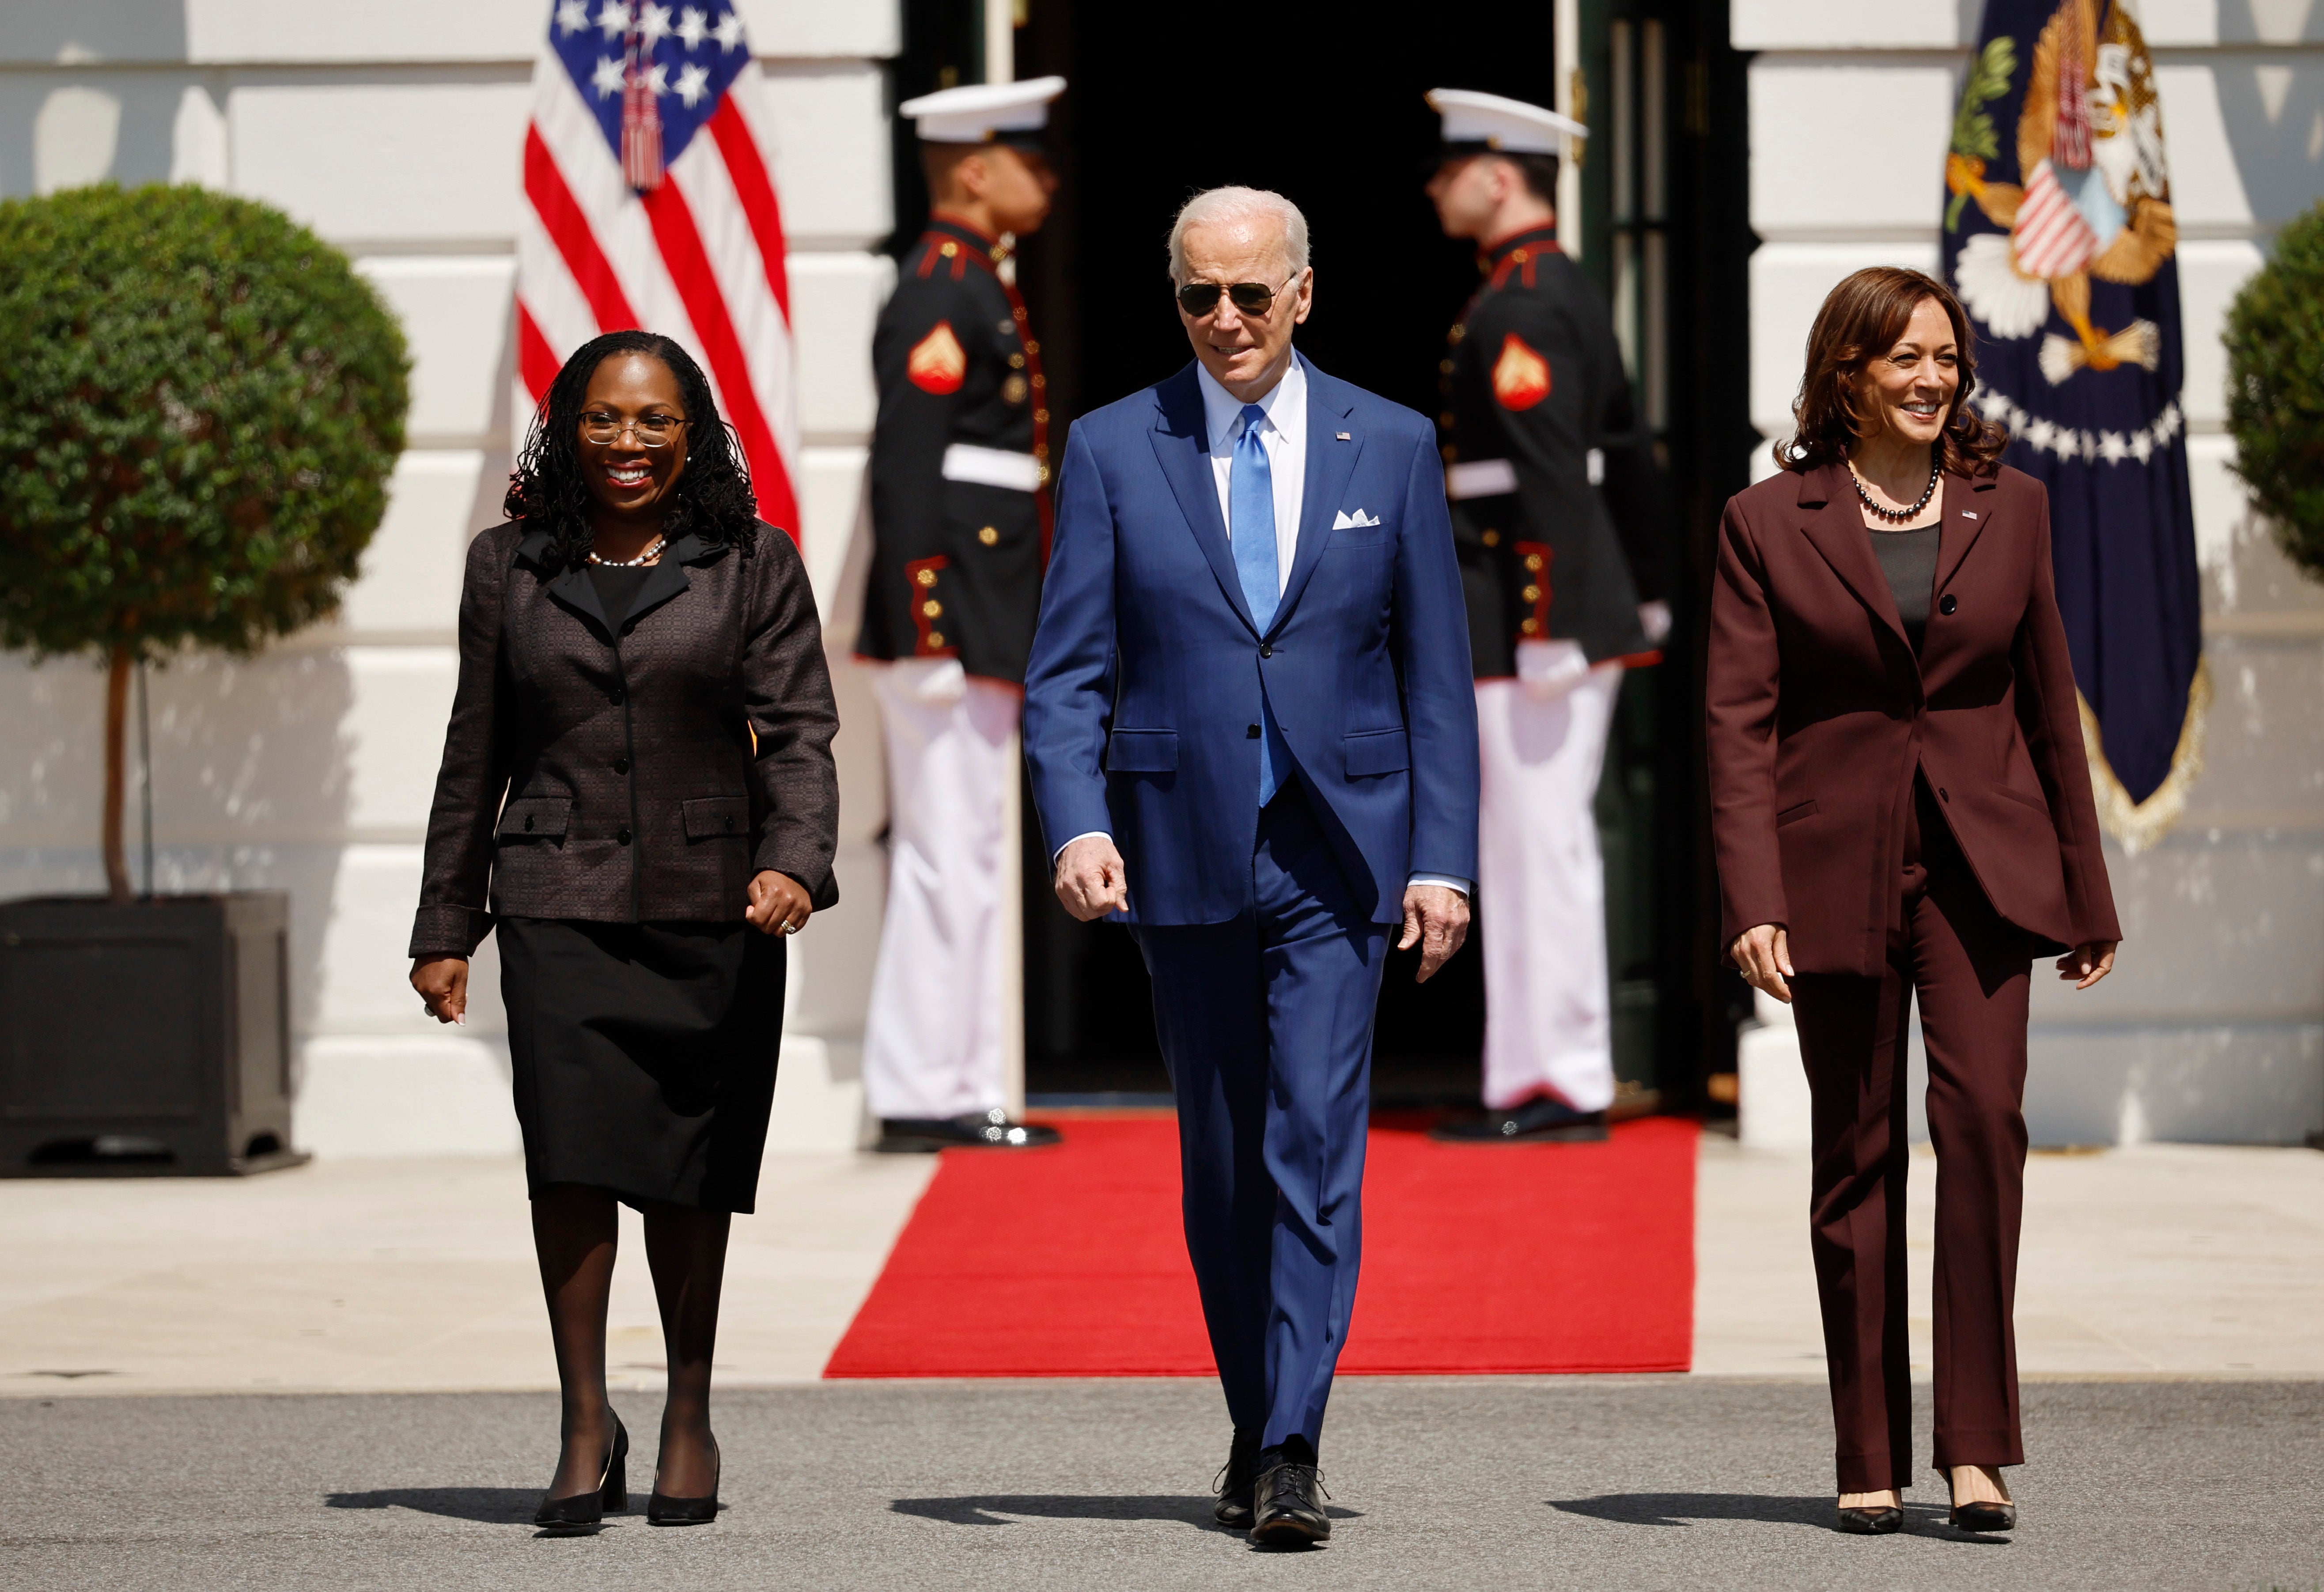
(1902, 809)
(638, 792)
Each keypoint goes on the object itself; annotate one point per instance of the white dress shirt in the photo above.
(1284, 434)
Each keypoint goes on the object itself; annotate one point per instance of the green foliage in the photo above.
(200, 405)
(1974, 138)
(2275, 389)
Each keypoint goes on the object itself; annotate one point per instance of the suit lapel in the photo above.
(1963, 498)
(665, 579)
(1837, 531)
(1182, 445)
(1330, 463)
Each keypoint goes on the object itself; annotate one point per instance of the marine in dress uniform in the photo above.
(960, 471)
(1558, 510)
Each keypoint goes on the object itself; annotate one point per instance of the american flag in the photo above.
(649, 204)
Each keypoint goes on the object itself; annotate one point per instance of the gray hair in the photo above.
(1238, 204)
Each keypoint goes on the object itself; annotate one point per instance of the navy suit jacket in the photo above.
(1143, 693)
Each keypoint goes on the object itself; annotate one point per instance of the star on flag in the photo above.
(572, 16)
(653, 25)
(613, 21)
(693, 83)
(728, 33)
(607, 79)
(693, 25)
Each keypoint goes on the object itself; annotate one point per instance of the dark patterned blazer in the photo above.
(641, 777)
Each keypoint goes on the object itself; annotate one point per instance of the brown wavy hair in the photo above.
(1861, 319)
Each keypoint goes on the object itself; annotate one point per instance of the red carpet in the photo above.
(1485, 1259)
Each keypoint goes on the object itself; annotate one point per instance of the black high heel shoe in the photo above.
(1982, 1514)
(585, 1512)
(1871, 1522)
(663, 1509)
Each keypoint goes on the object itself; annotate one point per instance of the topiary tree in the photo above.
(200, 405)
(2275, 389)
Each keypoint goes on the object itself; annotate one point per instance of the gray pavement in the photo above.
(1102, 1485)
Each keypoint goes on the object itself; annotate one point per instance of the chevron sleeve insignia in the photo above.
(937, 363)
(1520, 375)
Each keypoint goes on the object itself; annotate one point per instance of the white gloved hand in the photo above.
(1655, 618)
(1547, 669)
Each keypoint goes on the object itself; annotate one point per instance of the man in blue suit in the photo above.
(1253, 738)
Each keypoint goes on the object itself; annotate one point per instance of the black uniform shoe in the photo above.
(1289, 1508)
(991, 1130)
(1542, 1121)
(1236, 1484)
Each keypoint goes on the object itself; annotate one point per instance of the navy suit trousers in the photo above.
(1266, 1023)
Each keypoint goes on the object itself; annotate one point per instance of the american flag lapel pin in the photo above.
(1342, 436)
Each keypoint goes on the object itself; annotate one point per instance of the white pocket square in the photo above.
(1344, 521)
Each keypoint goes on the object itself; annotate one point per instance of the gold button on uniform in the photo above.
(1013, 391)
(949, 250)
(1016, 362)
(1492, 539)
(1531, 594)
(1533, 561)
(988, 536)
(1531, 626)
(936, 638)
(932, 607)
(926, 578)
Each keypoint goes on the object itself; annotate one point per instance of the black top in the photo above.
(1534, 377)
(1909, 559)
(617, 590)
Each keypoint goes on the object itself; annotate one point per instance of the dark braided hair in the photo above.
(714, 500)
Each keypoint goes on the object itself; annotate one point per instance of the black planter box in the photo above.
(145, 1038)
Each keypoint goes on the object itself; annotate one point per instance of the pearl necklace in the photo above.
(1898, 516)
(652, 550)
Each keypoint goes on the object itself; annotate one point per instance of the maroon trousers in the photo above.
(1972, 971)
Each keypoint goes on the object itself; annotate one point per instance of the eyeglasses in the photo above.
(1198, 298)
(655, 430)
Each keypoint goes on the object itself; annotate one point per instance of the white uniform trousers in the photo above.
(1541, 887)
(932, 1040)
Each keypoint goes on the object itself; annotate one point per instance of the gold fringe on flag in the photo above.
(2139, 825)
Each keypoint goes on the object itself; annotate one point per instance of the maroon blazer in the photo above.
(1820, 714)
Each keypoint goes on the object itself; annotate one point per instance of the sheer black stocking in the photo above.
(575, 1232)
(687, 1249)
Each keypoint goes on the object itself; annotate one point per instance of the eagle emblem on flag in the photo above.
(2059, 239)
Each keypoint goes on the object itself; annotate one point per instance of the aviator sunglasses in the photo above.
(1198, 298)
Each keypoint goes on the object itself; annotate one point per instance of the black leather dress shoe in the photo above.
(1289, 1510)
(1542, 1121)
(1871, 1522)
(991, 1130)
(1236, 1484)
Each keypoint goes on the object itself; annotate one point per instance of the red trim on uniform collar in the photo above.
(1544, 235)
(976, 234)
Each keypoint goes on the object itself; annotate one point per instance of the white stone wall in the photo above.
(396, 131)
(2213, 1029)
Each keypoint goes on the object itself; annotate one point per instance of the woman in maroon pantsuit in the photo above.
(1901, 807)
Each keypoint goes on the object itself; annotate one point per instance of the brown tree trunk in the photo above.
(116, 715)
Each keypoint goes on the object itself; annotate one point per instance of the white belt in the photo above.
(992, 467)
(1483, 477)
(1498, 477)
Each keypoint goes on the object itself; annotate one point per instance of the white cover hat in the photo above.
(978, 113)
(1511, 127)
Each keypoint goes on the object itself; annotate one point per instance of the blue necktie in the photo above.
(1251, 526)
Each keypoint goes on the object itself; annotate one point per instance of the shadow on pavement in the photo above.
(991, 1508)
(1667, 1509)
(496, 1506)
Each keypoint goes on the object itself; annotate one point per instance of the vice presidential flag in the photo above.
(649, 204)
(2059, 237)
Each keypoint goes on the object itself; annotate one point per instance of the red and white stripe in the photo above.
(698, 259)
(2051, 236)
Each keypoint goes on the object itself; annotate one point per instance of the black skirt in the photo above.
(644, 1055)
